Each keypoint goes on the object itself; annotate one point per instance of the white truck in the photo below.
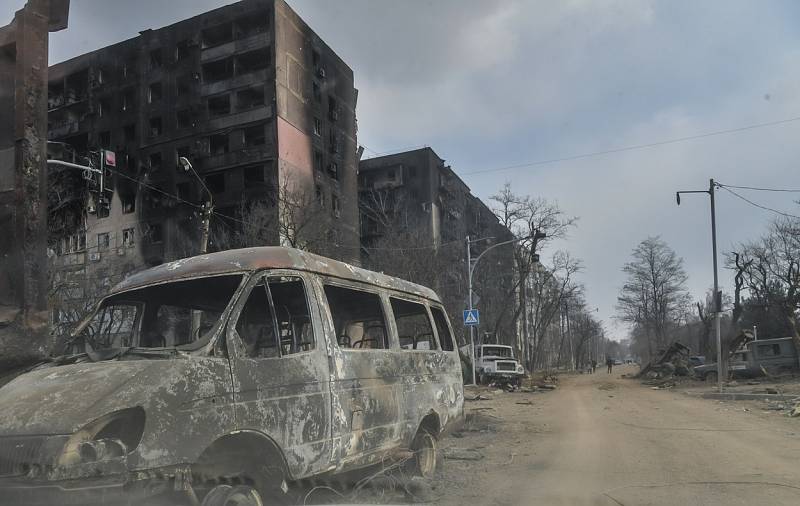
(496, 362)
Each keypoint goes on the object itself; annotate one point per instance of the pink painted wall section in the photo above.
(294, 148)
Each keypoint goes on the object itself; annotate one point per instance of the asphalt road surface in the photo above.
(604, 440)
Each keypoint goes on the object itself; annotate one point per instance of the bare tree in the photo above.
(654, 296)
(537, 222)
(771, 271)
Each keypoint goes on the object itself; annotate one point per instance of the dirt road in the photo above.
(603, 440)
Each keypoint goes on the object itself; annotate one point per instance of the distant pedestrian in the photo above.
(594, 365)
(610, 364)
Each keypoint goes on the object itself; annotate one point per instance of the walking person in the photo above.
(610, 364)
(594, 365)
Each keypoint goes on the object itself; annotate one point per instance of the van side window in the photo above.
(256, 326)
(442, 328)
(413, 325)
(358, 318)
(291, 310)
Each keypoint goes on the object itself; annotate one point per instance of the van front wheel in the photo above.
(226, 495)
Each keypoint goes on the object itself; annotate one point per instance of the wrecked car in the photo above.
(771, 355)
(496, 362)
(230, 376)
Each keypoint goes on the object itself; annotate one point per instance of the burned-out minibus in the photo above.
(225, 378)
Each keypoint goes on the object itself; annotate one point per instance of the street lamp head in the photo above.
(538, 234)
(678, 197)
(185, 163)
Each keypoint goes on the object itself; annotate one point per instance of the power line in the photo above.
(789, 190)
(634, 147)
(757, 205)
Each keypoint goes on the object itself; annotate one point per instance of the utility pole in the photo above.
(208, 205)
(721, 366)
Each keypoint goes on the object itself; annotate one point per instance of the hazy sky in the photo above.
(490, 84)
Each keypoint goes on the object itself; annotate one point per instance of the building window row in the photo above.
(236, 65)
(240, 28)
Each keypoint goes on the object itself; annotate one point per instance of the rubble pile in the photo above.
(674, 361)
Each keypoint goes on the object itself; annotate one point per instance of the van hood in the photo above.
(62, 399)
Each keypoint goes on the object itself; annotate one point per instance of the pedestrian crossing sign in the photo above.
(471, 317)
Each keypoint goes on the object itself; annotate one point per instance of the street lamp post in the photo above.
(208, 206)
(471, 269)
(721, 369)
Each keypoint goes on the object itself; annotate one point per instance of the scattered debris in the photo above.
(673, 361)
(478, 397)
(795, 411)
(772, 390)
(546, 386)
(525, 403)
(462, 454)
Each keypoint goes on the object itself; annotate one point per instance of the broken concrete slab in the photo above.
(462, 454)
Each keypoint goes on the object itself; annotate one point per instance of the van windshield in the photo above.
(181, 314)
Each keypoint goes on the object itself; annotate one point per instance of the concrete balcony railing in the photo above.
(256, 41)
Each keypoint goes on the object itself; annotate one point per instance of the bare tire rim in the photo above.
(425, 450)
(243, 496)
(225, 495)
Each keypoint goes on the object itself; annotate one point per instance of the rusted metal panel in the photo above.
(270, 257)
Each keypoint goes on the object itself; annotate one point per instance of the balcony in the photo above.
(234, 82)
(240, 118)
(234, 158)
(256, 41)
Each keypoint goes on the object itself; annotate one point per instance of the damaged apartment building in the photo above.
(413, 202)
(262, 109)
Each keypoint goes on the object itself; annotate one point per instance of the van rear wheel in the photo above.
(226, 495)
(426, 454)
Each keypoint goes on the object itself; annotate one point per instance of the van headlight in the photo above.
(519, 369)
(109, 437)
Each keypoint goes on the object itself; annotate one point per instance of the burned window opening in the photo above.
(316, 91)
(183, 50)
(155, 162)
(103, 241)
(250, 98)
(156, 58)
(254, 136)
(103, 107)
(414, 328)
(218, 144)
(128, 99)
(129, 132)
(128, 237)
(183, 118)
(357, 318)
(252, 24)
(218, 70)
(336, 206)
(219, 105)
(156, 127)
(104, 139)
(155, 233)
(317, 127)
(254, 174)
(252, 61)
(154, 93)
(217, 35)
(318, 163)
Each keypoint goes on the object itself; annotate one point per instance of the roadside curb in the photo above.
(740, 396)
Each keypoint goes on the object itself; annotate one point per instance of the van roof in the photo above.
(268, 257)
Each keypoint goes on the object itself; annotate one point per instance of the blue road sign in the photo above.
(471, 317)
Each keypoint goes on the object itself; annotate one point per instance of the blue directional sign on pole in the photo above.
(471, 317)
